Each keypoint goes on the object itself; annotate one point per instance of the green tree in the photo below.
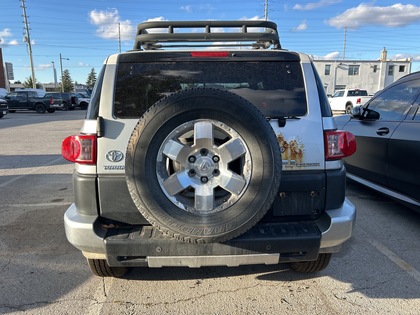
(28, 83)
(91, 79)
(67, 82)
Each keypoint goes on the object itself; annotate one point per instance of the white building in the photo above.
(371, 75)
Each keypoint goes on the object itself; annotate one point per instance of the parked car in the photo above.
(30, 100)
(4, 109)
(82, 100)
(345, 100)
(387, 131)
(68, 100)
(202, 158)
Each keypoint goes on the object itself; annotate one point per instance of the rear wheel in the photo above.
(100, 268)
(40, 108)
(312, 266)
(51, 110)
(349, 107)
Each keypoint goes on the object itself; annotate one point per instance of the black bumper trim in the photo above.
(299, 241)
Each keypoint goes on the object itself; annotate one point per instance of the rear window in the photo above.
(276, 88)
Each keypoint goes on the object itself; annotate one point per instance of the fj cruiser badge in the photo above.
(114, 156)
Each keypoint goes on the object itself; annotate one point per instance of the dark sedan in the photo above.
(387, 130)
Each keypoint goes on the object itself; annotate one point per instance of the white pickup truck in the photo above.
(345, 100)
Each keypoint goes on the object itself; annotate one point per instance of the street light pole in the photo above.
(55, 76)
(61, 68)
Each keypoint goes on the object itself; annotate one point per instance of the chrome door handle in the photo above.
(382, 131)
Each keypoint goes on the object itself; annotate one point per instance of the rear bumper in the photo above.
(266, 243)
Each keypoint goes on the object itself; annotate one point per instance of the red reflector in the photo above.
(339, 144)
(209, 53)
(80, 149)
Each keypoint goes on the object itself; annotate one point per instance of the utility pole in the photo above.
(345, 43)
(119, 36)
(61, 68)
(266, 10)
(27, 39)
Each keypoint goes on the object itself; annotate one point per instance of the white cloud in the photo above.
(5, 33)
(4, 38)
(43, 66)
(187, 8)
(315, 5)
(110, 25)
(331, 56)
(405, 56)
(365, 14)
(301, 27)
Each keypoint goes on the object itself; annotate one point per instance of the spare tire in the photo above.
(203, 165)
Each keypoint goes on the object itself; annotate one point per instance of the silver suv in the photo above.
(196, 156)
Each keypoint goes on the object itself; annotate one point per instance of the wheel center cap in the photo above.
(204, 166)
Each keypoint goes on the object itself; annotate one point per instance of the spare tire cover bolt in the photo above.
(216, 172)
(191, 173)
(204, 179)
(191, 159)
(216, 159)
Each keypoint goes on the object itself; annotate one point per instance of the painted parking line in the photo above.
(395, 259)
(29, 173)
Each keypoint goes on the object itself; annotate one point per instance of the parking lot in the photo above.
(378, 271)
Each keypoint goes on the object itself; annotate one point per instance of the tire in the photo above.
(198, 171)
(1, 115)
(51, 110)
(12, 111)
(83, 106)
(349, 107)
(40, 108)
(71, 108)
(100, 267)
(312, 266)
(65, 107)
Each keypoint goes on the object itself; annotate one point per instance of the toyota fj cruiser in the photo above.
(199, 151)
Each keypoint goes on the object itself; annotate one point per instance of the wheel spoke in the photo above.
(176, 151)
(232, 150)
(176, 183)
(204, 197)
(203, 134)
(232, 182)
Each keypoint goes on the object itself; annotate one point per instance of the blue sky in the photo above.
(86, 31)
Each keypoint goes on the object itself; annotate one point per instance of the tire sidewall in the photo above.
(191, 105)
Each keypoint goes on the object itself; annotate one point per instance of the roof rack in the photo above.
(164, 34)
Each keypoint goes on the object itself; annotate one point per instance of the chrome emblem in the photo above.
(114, 156)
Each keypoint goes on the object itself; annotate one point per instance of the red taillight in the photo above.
(209, 53)
(339, 144)
(80, 149)
(51, 101)
(359, 101)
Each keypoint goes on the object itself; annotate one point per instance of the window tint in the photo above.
(394, 103)
(276, 88)
(417, 115)
(93, 109)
